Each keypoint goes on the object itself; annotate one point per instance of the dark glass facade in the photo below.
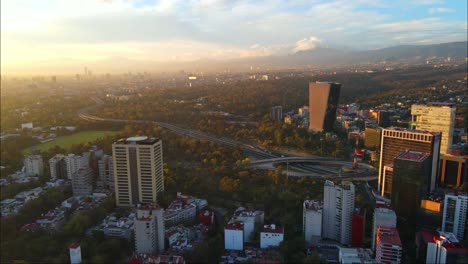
(323, 102)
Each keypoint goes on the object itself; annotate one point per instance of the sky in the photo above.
(52, 31)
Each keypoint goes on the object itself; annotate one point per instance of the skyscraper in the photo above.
(437, 117)
(149, 229)
(396, 140)
(338, 207)
(454, 216)
(138, 170)
(323, 102)
(411, 177)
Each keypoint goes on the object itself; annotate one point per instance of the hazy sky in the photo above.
(34, 31)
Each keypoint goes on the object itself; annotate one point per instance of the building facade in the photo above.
(82, 182)
(323, 102)
(149, 229)
(276, 113)
(437, 117)
(33, 165)
(234, 236)
(372, 138)
(271, 236)
(58, 167)
(454, 214)
(73, 162)
(138, 170)
(338, 207)
(453, 170)
(396, 140)
(312, 220)
(250, 219)
(383, 217)
(388, 246)
(358, 229)
(106, 172)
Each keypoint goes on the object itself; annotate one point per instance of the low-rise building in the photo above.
(271, 236)
(356, 255)
(234, 236)
(250, 219)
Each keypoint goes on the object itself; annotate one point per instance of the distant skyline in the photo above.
(85, 31)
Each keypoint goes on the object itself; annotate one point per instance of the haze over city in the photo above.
(62, 36)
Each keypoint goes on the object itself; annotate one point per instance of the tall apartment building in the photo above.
(276, 113)
(372, 137)
(338, 207)
(74, 162)
(383, 217)
(33, 165)
(149, 229)
(323, 102)
(396, 140)
(106, 172)
(388, 246)
(58, 167)
(454, 214)
(445, 248)
(250, 219)
(411, 177)
(437, 117)
(312, 220)
(138, 170)
(82, 181)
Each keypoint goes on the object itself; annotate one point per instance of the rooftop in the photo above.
(234, 226)
(412, 155)
(74, 245)
(388, 235)
(312, 205)
(272, 229)
(138, 140)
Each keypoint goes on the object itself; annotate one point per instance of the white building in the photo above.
(454, 215)
(271, 236)
(33, 165)
(383, 217)
(445, 248)
(138, 170)
(356, 255)
(82, 182)
(149, 229)
(75, 253)
(338, 207)
(234, 236)
(388, 246)
(250, 219)
(73, 162)
(312, 220)
(437, 117)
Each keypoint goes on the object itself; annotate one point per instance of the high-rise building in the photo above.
(388, 248)
(396, 140)
(276, 113)
(453, 170)
(323, 102)
(454, 214)
(382, 217)
(338, 207)
(359, 224)
(58, 167)
(33, 165)
(437, 117)
(445, 248)
(106, 172)
(82, 181)
(383, 118)
(411, 177)
(149, 229)
(74, 162)
(138, 170)
(312, 220)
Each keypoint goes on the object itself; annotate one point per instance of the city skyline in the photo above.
(80, 32)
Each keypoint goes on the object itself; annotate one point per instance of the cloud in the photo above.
(440, 10)
(427, 2)
(307, 44)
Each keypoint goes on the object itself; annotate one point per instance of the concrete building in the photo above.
(359, 225)
(138, 170)
(396, 140)
(388, 246)
(276, 113)
(106, 172)
(441, 247)
(74, 162)
(356, 255)
(383, 217)
(437, 117)
(234, 236)
(372, 137)
(454, 214)
(323, 102)
(383, 118)
(58, 167)
(312, 220)
(75, 253)
(271, 236)
(33, 165)
(411, 178)
(82, 182)
(453, 170)
(149, 229)
(250, 219)
(338, 207)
